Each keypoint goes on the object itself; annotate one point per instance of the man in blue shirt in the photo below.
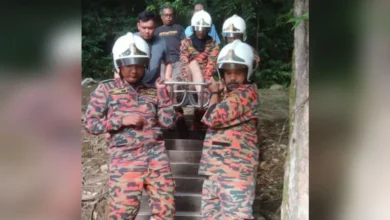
(213, 33)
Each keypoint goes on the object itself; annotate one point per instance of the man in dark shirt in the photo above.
(172, 34)
(146, 26)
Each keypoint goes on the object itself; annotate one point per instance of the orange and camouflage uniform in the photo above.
(230, 155)
(207, 59)
(138, 156)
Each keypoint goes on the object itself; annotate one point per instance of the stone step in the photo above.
(176, 134)
(177, 156)
(189, 202)
(184, 144)
(193, 185)
(186, 216)
(197, 135)
(189, 117)
(179, 216)
(189, 184)
(185, 169)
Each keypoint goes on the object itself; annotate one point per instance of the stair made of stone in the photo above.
(184, 155)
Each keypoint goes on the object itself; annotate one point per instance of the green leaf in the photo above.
(299, 19)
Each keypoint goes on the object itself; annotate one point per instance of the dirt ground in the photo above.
(274, 141)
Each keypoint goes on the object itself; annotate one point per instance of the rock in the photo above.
(104, 167)
(88, 81)
(275, 160)
(283, 146)
(276, 87)
(262, 165)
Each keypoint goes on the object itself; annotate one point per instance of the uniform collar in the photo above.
(135, 87)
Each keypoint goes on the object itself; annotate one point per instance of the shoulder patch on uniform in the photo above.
(118, 91)
(235, 96)
(149, 92)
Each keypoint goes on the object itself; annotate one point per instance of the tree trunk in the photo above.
(295, 205)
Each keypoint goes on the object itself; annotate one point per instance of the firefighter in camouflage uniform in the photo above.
(132, 114)
(230, 153)
(235, 28)
(198, 52)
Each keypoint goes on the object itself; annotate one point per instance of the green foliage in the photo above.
(278, 72)
(269, 29)
(101, 26)
(298, 19)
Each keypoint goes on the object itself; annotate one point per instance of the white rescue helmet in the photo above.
(234, 26)
(235, 55)
(130, 49)
(201, 21)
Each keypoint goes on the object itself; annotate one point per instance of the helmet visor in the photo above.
(232, 34)
(127, 61)
(201, 28)
(223, 66)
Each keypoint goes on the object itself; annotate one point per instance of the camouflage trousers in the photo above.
(125, 190)
(228, 198)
